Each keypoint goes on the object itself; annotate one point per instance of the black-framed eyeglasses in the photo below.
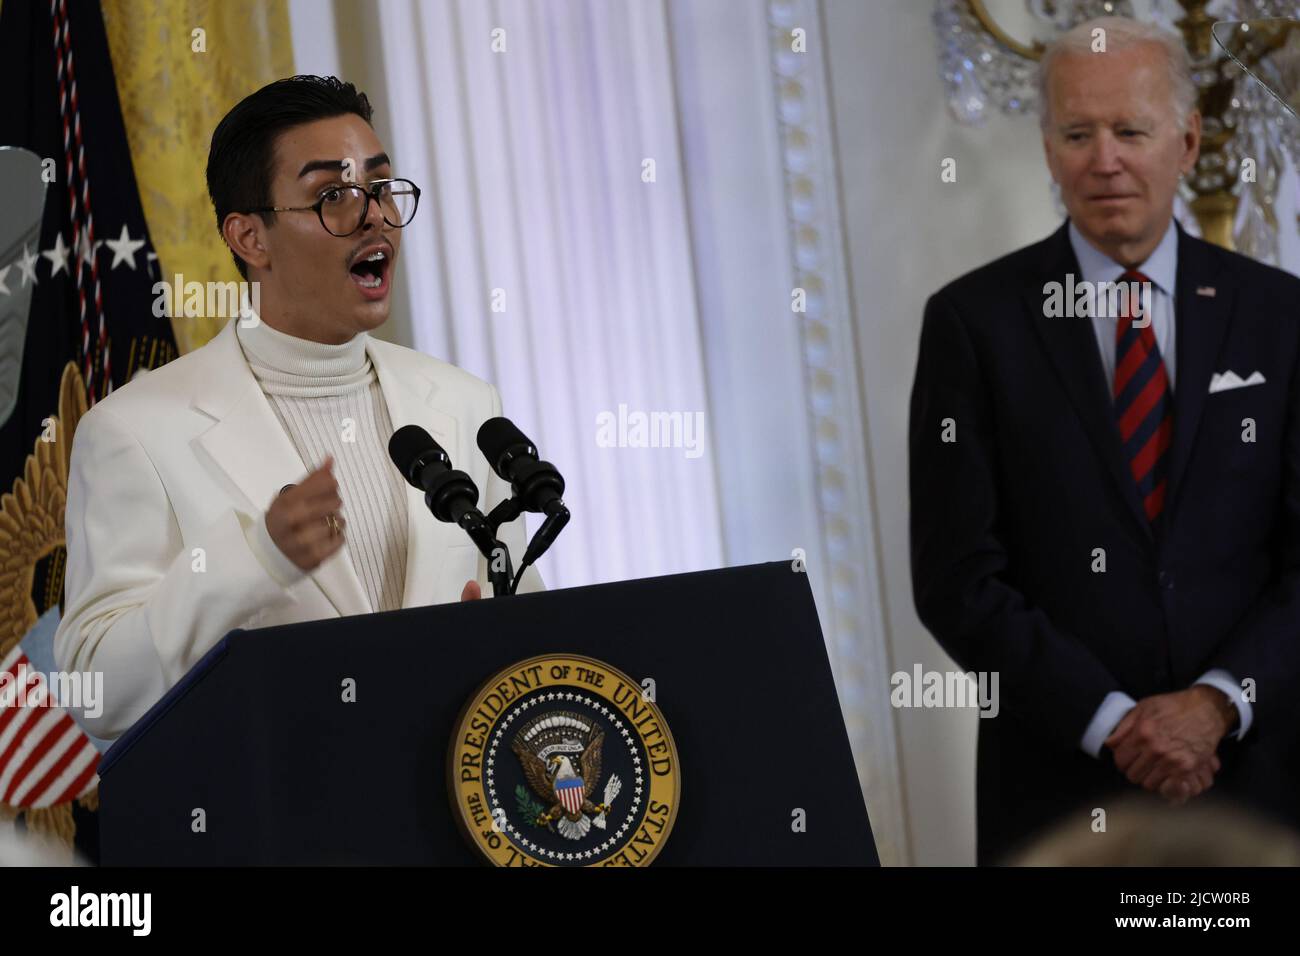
(342, 209)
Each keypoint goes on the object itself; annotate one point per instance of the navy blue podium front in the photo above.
(259, 742)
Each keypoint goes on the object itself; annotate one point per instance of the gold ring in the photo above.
(333, 523)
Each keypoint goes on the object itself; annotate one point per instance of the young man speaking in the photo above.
(248, 483)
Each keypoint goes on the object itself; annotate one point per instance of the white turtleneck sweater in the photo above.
(328, 399)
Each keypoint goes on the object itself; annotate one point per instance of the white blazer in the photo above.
(188, 457)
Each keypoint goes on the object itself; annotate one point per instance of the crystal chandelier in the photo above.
(1247, 71)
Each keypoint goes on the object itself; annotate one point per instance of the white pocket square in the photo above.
(1223, 381)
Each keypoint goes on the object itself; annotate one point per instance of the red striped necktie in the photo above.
(1143, 403)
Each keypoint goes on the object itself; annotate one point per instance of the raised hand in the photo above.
(304, 521)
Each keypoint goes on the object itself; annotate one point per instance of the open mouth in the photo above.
(371, 272)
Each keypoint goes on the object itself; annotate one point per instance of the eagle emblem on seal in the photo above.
(560, 753)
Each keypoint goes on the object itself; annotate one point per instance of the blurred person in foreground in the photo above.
(1139, 832)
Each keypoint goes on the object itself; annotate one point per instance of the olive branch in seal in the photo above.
(528, 808)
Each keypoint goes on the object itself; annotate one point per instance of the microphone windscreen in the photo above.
(496, 436)
(407, 446)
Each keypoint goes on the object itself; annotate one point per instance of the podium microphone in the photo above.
(450, 494)
(537, 485)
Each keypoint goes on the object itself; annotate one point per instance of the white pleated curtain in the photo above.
(543, 261)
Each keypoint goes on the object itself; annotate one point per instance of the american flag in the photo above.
(79, 279)
(45, 758)
(569, 790)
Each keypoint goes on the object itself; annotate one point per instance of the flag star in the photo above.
(124, 248)
(27, 265)
(4, 272)
(58, 256)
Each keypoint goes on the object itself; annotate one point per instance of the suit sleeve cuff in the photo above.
(1220, 679)
(1112, 710)
(268, 553)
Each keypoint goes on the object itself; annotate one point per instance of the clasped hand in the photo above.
(1167, 743)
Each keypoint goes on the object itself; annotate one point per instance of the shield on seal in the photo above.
(569, 792)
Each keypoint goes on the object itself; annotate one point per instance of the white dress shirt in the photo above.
(1161, 267)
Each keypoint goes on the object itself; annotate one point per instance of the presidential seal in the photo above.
(563, 760)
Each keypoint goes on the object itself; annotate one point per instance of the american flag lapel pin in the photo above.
(1205, 290)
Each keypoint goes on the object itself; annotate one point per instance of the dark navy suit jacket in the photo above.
(1005, 521)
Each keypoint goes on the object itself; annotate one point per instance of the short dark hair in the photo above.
(243, 144)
